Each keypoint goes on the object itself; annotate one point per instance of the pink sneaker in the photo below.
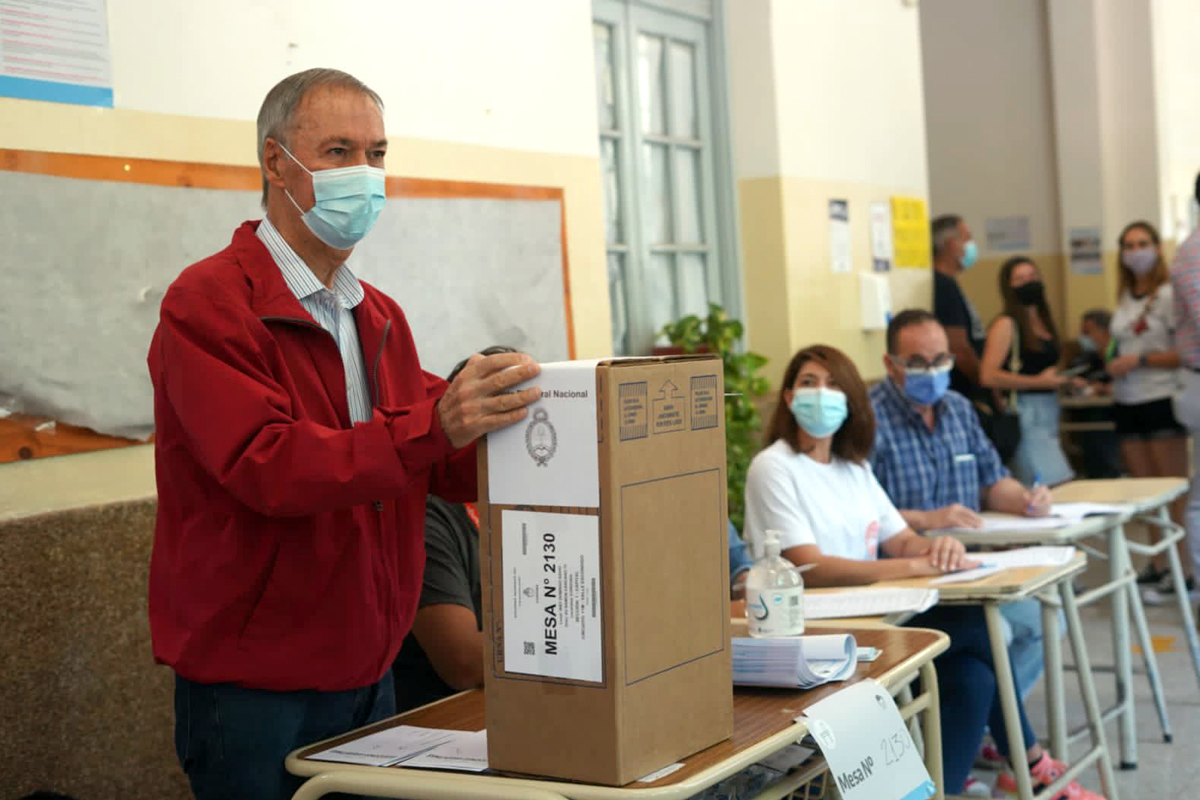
(989, 758)
(976, 788)
(1044, 773)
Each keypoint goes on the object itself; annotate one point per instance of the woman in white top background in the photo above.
(813, 485)
(1145, 370)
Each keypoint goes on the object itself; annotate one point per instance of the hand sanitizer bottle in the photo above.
(774, 594)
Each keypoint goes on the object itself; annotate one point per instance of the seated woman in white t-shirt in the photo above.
(813, 485)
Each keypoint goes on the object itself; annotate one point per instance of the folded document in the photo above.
(794, 662)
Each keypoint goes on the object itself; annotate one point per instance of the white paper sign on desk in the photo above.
(550, 458)
(870, 752)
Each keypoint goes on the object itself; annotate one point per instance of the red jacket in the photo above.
(289, 548)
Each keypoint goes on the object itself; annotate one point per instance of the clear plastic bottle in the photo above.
(774, 594)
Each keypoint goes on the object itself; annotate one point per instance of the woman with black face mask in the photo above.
(1020, 359)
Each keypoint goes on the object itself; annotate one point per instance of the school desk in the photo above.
(763, 723)
(1145, 500)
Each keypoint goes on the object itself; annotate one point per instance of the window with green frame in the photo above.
(664, 154)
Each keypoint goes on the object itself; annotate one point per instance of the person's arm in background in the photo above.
(909, 556)
(992, 373)
(936, 519)
(965, 358)
(445, 625)
(739, 564)
(1008, 496)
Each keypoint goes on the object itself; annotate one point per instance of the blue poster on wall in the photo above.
(55, 51)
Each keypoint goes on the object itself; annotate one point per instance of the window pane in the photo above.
(605, 98)
(687, 195)
(616, 296)
(612, 190)
(693, 285)
(651, 84)
(660, 284)
(683, 91)
(656, 199)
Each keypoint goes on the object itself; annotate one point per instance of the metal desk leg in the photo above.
(932, 727)
(1185, 603)
(1087, 687)
(1056, 707)
(1008, 701)
(1127, 724)
(1148, 657)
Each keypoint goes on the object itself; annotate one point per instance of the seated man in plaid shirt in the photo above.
(939, 468)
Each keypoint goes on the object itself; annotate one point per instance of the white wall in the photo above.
(753, 97)
(849, 93)
(514, 74)
(1177, 59)
(988, 114)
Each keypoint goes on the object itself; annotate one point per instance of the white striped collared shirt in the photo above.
(332, 310)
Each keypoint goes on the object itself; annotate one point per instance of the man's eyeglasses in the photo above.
(918, 364)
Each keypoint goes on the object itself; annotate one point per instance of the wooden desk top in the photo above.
(1004, 586)
(999, 537)
(759, 715)
(1141, 494)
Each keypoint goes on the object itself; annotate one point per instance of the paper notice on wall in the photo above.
(1008, 233)
(910, 232)
(56, 51)
(882, 251)
(552, 613)
(839, 235)
(1086, 251)
(550, 458)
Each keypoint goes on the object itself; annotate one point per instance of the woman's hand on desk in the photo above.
(947, 554)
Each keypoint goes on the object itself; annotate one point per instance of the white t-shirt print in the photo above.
(839, 506)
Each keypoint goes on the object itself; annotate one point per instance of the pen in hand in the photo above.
(1037, 484)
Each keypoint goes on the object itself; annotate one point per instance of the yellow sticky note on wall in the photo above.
(910, 232)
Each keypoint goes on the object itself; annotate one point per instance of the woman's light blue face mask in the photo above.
(819, 410)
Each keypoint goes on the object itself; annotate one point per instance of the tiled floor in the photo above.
(1164, 770)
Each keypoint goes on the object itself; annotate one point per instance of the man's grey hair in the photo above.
(276, 118)
(1099, 317)
(942, 229)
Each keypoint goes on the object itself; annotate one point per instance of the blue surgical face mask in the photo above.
(346, 202)
(926, 386)
(819, 411)
(970, 254)
(1087, 344)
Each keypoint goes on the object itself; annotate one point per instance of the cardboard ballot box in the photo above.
(605, 571)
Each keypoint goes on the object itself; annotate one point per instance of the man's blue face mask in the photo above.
(924, 383)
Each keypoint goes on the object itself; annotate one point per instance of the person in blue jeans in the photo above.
(939, 468)
(813, 486)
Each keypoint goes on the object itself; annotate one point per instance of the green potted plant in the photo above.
(717, 333)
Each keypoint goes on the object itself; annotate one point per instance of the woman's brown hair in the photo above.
(854, 440)
(1016, 310)
(1126, 279)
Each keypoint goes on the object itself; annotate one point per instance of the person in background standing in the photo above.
(954, 251)
(1100, 453)
(1145, 371)
(1185, 282)
(1026, 329)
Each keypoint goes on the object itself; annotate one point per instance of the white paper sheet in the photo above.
(465, 751)
(659, 774)
(551, 458)
(867, 602)
(966, 575)
(794, 661)
(386, 747)
(552, 603)
(1027, 557)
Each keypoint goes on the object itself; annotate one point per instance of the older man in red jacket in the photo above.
(296, 440)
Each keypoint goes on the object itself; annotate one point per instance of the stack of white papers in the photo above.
(794, 662)
(1061, 516)
(867, 602)
(410, 746)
